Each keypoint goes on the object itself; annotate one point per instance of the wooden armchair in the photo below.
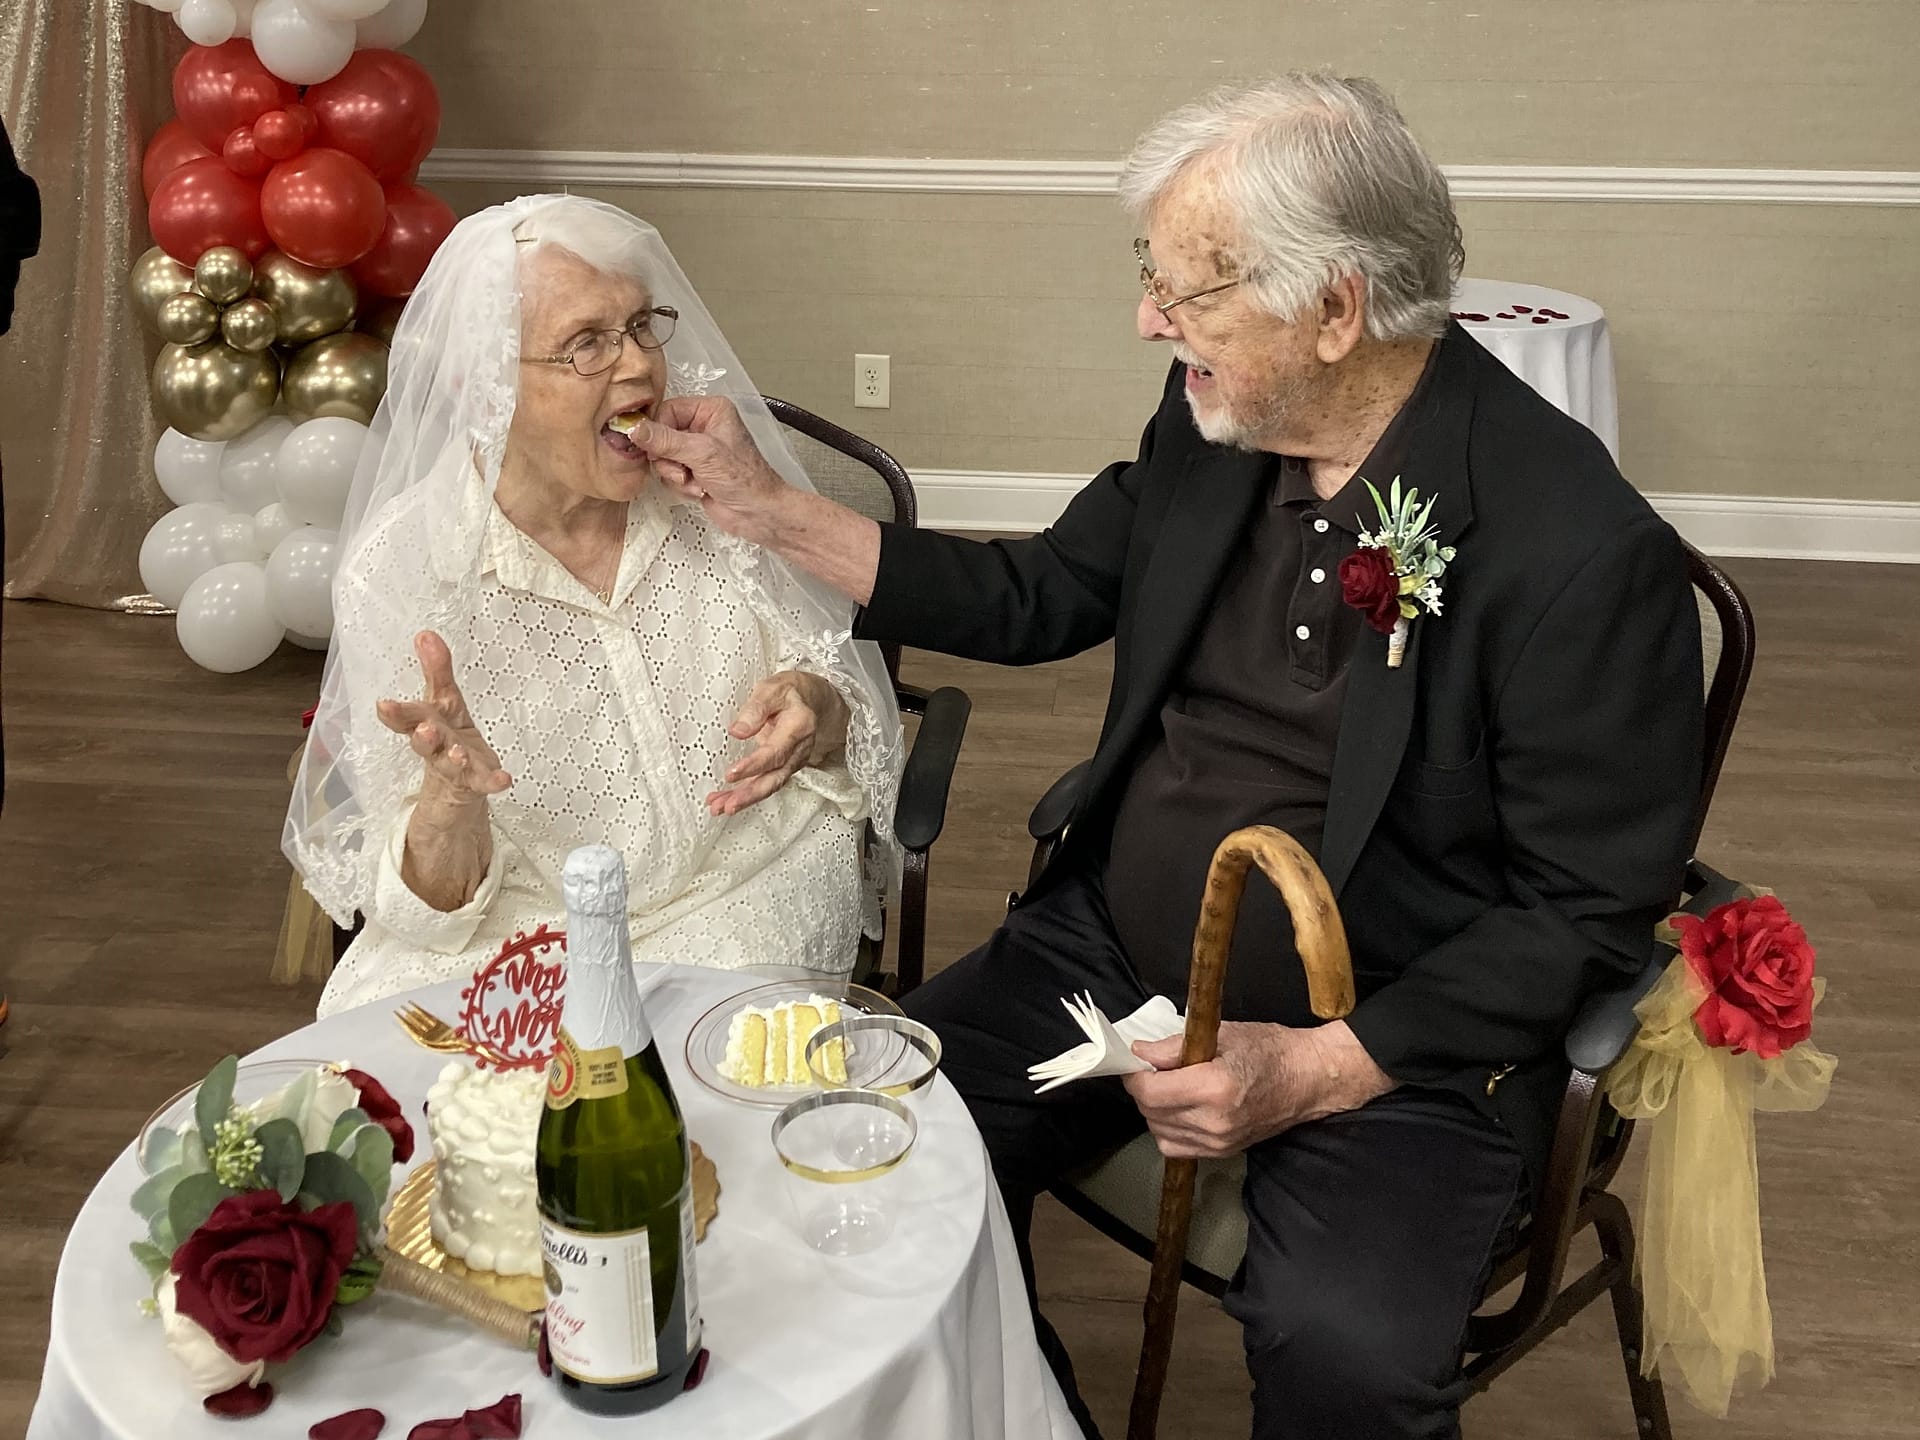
(1122, 1196)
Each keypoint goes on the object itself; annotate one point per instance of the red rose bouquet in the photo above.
(1724, 1032)
(263, 1224)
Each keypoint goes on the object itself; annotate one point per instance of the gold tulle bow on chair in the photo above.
(1722, 1034)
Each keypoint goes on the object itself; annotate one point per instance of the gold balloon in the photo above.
(186, 318)
(213, 391)
(379, 319)
(248, 326)
(337, 375)
(307, 303)
(156, 277)
(223, 274)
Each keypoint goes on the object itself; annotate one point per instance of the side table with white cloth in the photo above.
(1556, 342)
(928, 1336)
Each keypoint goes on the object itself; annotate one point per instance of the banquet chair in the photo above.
(862, 476)
(1121, 1195)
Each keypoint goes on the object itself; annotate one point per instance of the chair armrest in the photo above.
(1055, 808)
(921, 812)
(1606, 1024)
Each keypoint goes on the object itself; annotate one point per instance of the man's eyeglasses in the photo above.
(1156, 288)
(598, 352)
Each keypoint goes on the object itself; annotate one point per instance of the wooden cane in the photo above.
(1322, 943)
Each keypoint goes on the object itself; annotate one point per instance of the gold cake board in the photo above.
(410, 1233)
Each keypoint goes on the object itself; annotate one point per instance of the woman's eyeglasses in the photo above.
(597, 353)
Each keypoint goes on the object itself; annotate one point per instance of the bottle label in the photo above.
(688, 1287)
(576, 1074)
(600, 1324)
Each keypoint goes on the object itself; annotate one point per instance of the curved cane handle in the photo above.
(1317, 932)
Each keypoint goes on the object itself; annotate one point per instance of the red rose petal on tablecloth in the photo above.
(451, 1428)
(1473, 315)
(699, 1370)
(239, 1402)
(1542, 320)
(1521, 309)
(499, 1421)
(1505, 315)
(353, 1425)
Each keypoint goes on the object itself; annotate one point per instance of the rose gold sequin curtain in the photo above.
(83, 83)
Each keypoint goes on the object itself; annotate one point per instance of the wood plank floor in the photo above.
(141, 888)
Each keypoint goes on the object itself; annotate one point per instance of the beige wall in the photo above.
(1762, 349)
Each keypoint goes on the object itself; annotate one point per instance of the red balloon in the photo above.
(323, 208)
(242, 156)
(279, 135)
(217, 88)
(382, 110)
(308, 121)
(417, 221)
(172, 146)
(204, 204)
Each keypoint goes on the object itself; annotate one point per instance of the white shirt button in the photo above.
(1318, 574)
(1301, 632)
(1319, 527)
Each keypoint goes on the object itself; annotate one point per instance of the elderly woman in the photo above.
(536, 648)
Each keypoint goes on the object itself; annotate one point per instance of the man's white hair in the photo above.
(1325, 180)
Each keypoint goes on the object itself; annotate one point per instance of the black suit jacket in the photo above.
(19, 225)
(1508, 811)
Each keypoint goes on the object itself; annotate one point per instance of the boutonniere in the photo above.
(1394, 577)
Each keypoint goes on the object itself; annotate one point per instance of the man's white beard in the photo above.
(1251, 428)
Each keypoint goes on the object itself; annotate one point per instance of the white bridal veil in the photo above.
(453, 381)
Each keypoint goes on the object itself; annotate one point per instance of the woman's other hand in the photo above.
(461, 768)
(449, 838)
(799, 720)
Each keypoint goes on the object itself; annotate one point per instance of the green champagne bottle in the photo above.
(614, 1173)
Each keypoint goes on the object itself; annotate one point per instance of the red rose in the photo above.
(260, 1275)
(383, 1110)
(1758, 969)
(1367, 583)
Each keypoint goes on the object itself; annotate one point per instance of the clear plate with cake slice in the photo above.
(752, 1047)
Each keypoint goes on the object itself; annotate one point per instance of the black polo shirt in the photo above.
(1247, 737)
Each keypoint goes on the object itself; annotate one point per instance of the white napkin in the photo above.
(1109, 1047)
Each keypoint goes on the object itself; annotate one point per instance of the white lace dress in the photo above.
(612, 720)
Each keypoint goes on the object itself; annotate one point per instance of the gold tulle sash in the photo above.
(1708, 1325)
(305, 951)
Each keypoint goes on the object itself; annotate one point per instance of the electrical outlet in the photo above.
(872, 390)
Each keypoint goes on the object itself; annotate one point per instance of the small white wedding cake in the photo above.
(484, 1210)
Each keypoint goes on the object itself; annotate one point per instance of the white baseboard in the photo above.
(951, 174)
(1887, 531)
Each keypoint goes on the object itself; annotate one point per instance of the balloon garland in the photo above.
(289, 230)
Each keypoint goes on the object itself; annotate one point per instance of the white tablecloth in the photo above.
(1568, 361)
(928, 1336)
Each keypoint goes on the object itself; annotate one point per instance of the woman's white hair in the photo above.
(1325, 179)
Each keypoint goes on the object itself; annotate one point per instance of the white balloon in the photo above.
(272, 524)
(188, 470)
(300, 581)
(207, 22)
(345, 9)
(300, 47)
(243, 17)
(246, 470)
(315, 469)
(180, 548)
(394, 26)
(165, 7)
(224, 623)
(235, 539)
(310, 642)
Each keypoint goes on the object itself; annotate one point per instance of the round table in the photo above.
(1569, 361)
(928, 1336)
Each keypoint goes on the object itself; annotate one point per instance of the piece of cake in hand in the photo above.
(769, 1047)
(482, 1122)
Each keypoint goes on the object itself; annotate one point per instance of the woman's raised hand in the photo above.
(799, 720)
(461, 767)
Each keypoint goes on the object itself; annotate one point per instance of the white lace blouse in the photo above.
(612, 719)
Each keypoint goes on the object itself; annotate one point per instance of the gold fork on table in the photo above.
(428, 1030)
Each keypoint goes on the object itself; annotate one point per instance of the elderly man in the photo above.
(1502, 813)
